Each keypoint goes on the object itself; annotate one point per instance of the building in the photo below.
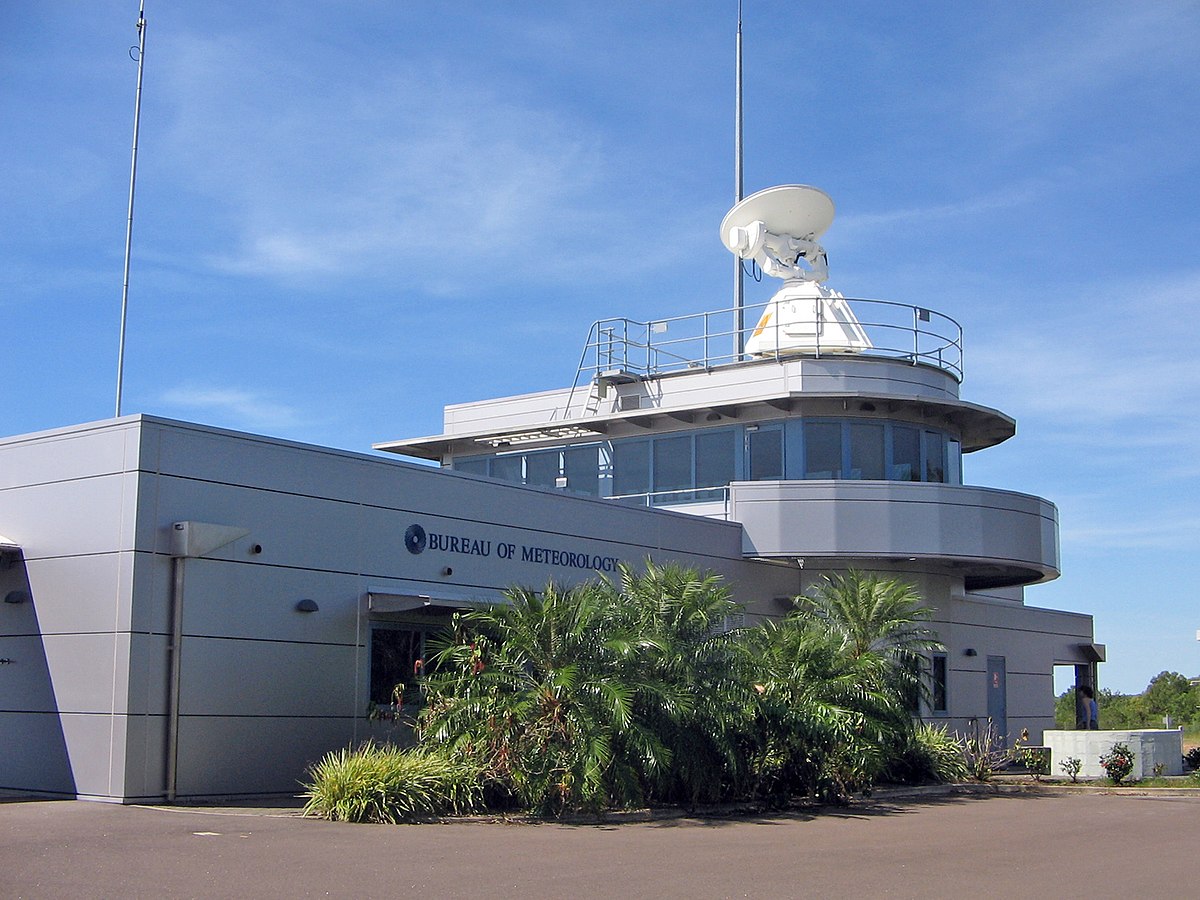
(192, 612)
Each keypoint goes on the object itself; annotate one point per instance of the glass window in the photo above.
(822, 450)
(906, 454)
(476, 465)
(935, 457)
(673, 464)
(866, 452)
(714, 458)
(766, 454)
(542, 468)
(508, 468)
(953, 462)
(582, 467)
(937, 693)
(631, 468)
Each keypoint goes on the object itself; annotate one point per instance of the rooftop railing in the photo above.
(626, 348)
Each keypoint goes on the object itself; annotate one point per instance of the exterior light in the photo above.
(970, 651)
(16, 597)
(307, 606)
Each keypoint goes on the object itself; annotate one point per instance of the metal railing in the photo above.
(621, 347)
(714, 495)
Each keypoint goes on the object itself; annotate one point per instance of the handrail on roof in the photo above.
(633, 350)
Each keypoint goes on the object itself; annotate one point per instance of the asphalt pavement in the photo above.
(1007, 845)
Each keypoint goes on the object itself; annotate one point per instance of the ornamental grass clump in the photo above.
(386, 784)
(931, 755)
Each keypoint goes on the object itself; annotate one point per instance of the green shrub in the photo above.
(386, 784)
(1192, 758)
(931, 754)
(1117, 762)
(1072, 766)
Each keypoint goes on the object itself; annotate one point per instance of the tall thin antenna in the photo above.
(137, 114)
(739, 290)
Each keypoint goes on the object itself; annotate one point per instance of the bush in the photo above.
(984, 753)
(386, 784)
(931, 754)
(1191, 759)
(1117, 762)
(1072, 766)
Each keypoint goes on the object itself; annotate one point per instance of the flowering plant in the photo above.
(1117, 762)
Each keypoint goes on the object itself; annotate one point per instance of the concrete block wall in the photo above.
(1150, 747)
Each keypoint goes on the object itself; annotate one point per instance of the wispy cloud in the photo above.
(232, 407)
(1085, 58)
(438, 179)
(1114, 351)
(917, 218)
(1157, 532)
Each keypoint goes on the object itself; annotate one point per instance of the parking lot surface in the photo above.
(1005, 845)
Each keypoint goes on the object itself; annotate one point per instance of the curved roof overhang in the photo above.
(979, 426)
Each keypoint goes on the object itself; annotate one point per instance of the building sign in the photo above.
(418, 540)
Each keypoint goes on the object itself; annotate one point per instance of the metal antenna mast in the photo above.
(137, 113)
(739, 289)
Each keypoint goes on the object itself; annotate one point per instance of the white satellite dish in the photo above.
(778, 229)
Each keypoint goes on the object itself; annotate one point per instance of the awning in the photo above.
(1092, 652)
(393, 600)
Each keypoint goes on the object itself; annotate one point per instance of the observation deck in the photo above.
(675, 372)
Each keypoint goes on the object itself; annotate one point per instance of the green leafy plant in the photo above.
(1071, 767)
(931, 755)
(1191, 759)
(387, 784)
(1117, 762)
(1036, 760)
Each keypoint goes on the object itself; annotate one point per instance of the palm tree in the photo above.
(823, 718)
(693, 693)
(872, 614)
(532, 689)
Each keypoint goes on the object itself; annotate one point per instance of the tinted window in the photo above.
(935, 462)
(766, 454)
(866, 452)
(476, 466)
(673, 463)
(714, 458)
(631, 467)
(937, 691)
(541, 468)
(906, 454)
(582, 467)
(822, 450)
(507, 468)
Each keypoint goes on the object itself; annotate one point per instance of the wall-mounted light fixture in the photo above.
(16, 597)
(306, 606)
(970, 651)
(446, 570)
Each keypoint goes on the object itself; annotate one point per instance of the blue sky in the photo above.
(349, 216)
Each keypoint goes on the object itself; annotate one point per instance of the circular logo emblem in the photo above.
(415, 539)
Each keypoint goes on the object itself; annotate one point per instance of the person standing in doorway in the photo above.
(1087, 714)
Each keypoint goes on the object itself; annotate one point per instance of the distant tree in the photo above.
(1170, 694)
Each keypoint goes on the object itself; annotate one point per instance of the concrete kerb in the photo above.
(269, 809)
(747, 810)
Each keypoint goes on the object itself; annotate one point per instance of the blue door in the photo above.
(997, 697)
